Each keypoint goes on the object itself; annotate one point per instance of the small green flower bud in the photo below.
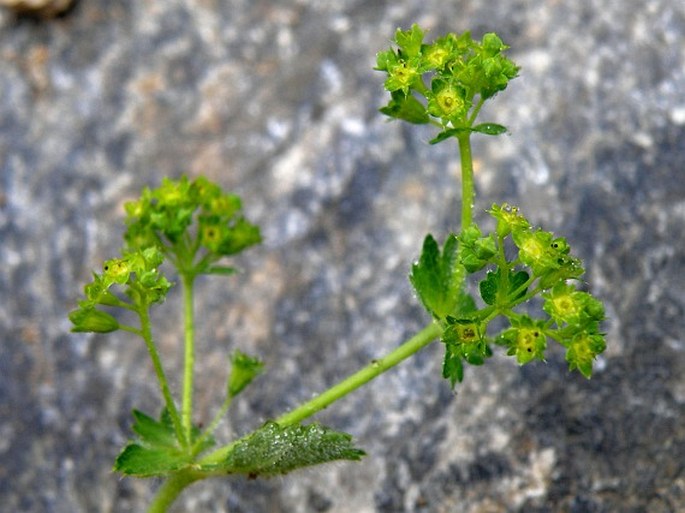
(90, 320)
(116, 270)
(508, 219)
(582, 351)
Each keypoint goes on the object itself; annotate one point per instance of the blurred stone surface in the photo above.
(278, 101)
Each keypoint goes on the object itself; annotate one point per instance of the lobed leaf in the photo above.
(156, 450)
(406, 108)
(274, 450)
(438, 279)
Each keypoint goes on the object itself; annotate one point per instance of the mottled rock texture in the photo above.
(278, 101)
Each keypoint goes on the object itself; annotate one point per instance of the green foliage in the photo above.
(273, 450)
(132, 282)
(438, 278)
(539, 263)
(194, 223)
(156, 450)
(444, 82)
(496, 285)
(194, 226)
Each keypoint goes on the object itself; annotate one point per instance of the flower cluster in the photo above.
(448, 79)
(193, 222)
(520, 262)
(137, 273)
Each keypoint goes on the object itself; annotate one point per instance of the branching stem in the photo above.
(347, 385)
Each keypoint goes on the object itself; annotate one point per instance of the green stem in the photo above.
(475, 111)
(146, 333)
(189, 354)
(349, 384)
(172, 488)
(197, 445)
(467, 187)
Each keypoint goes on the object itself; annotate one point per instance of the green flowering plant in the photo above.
(190, 228)
(445, 83)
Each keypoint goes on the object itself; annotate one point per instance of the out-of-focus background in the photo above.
(278, 102)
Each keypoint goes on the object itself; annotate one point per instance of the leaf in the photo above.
(488, 287)
(406, 108)
(141, 461)
(154, 432)
(492, 282)
(484, 128)
(445, 134)
(156, 450)
(517, 280)
(438, 278)
(244, 369)
(274, 450)
(489, 129)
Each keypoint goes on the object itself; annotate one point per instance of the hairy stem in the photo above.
(189, 355)
(146, 333)
(197, 445)
(347, 385)
(361, 377)
(172, 488)
(467, 187)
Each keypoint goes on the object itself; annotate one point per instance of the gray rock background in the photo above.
(278, 102)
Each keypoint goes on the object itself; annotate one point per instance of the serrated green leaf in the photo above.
(274, 450)
(156, 450)
(244, 369)
(489, 129)
(154, 432)
(141, 461)
(438, 278)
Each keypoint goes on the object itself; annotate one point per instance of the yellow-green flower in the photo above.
(583, 350)
(526, 340)
(508, 219)
(447, 101)
(401, 76)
